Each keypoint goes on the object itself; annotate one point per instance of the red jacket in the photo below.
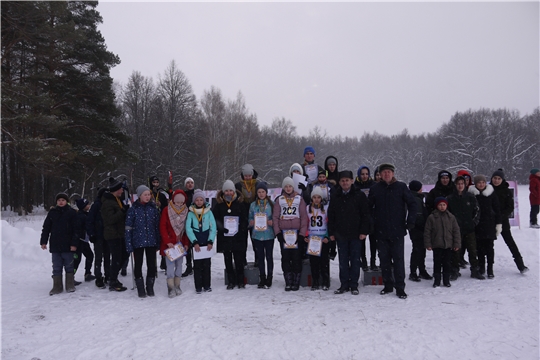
(534, 188)
(167, 232)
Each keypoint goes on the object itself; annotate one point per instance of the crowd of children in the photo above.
(318, 208)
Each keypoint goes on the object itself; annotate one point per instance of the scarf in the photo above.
(177, 217)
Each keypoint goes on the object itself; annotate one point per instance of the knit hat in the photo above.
(261, 185)
(81, 203)
(188, 179)
(387, 166)
(534, 171)
(499, 173)
(287, 181)
(198, 194)
(114, 184)
(153, 178)
(345, 174)
(331, 161)
(228, 185)
(321, 171)
(247, 169)
(317, 191)
(444, 173)
(464, 173)
(141, 189)
(62, 195)
(478, 178)
(309, 149)
(440, 199)
(415, 185)
(296, 166)
(360, 170)
(180, 193)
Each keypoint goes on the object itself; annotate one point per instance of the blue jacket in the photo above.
(205, 234)
(254, 208)
(393, 207)
(142, 226)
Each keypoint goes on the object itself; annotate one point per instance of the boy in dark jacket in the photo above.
(94, 228)
(363, 183)
(84, 243)
(59, 230)
(418, 253)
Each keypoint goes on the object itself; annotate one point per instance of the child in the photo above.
(172, 228)
(418, 253)
(232, 241)
(59, 229)
(84, 244)
(290, 219)
(442, 236)
(201, 231)
(318, 226)
(142, 237)
(263, 236)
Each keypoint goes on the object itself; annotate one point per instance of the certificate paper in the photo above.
(314, 247)
(204, 253)
(312, 171)
(231, 223)
(299, 179)
(176, 252)
(261, 222)
(290, 239)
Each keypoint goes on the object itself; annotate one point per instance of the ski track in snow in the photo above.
(490, 319)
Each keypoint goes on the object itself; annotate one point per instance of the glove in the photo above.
(93, 239)
(300, 239)
(498, 229)
(225, 230)
(302, 187)
(280, 238)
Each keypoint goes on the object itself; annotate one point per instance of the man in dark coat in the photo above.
(94, 228)
(394, 211)
(443, 188)
(348, 225)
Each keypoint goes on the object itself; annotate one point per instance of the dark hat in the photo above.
(321, 171)
(387, 166)
(440, 199)
(415, 185)
(261, 185)
(152, 178)
(534, 171)
(62, 195)
(81, 203)
(499, 173)
(309, 149)
(346, 174)
(444, 173)
(331, 160)
(478, 178)
(114, 184)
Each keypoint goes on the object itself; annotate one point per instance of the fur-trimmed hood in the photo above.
(487, 191)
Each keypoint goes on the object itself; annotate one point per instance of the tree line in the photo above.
(67, 127)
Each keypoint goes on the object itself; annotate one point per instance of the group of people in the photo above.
(319, 210)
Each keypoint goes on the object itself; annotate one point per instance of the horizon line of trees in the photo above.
(67, 127)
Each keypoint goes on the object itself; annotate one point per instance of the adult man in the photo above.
(363, 183)
(443, 187)
(394, 210)
(348, 225)
(113, 213)
(309, 166)
(158, 194)
(94, 227)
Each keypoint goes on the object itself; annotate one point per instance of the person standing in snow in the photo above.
(364, 182)
(331, 166)
(443, 187)
(416, 234)
(247, 187)
(84, 242)
(534, 197)
(59, 231)
(189, 189)
(94, 227)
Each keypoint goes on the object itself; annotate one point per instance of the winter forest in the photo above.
(67, 127)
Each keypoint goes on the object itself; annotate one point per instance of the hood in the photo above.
(296, 165)
(487, 191)
(326, 161)
(255, 174)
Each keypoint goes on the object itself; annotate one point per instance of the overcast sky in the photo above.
(345, 67)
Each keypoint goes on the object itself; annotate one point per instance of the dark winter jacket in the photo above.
(159, 198)
(113, 214)
(348, 215)
(506, 202)
(534, 188)
(59, 229)
(142, 226)
(332, 177)
(237, 242)
(363, 185)
(490, 214)
(247, 188)
(189, 197)
(421, 211)
(94, 222)
(438, 191)
(442, 231)
(465, 208)
(393, 208)
(81, 224)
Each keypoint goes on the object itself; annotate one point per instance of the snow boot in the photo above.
(490, 271)
(414, 277)
(70, 282)
(262, 282)
(170, 288)
(288, 281)
(58, 287)
(455, 274)
(314, 284)
(89, 277)
(115, 285)
(401, 293)
(446, 279)
(520, 265)
(150, 285)
(177, 286)
(140, 287)
(475, 274)
(189, 270)
(99, 282)
(295, 281)
(268, 281)
(437, 279)
(425, 275)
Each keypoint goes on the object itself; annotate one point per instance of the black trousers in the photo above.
(201, 273)
(103, 255)
(118, 256)
(235, 272)
(84, 249)
(138, 255)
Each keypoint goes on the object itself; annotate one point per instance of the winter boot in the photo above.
(58, 287)
(89, 277)
(140, 287)
(425, 275)
(177, 286)
(150, 285)
(288, 281)
(262, 282)
(475, 274)
(490, 271)
(170, 288)
(401, 293)
(455, 274)
(482, 265)
(446, 279)
(296, 281)
(70, 282)
(189, 270)
(414, 277)
(520, 265)
(437, 279)
(268, 281)
(115, 285)
(314, 284)
(99, 282)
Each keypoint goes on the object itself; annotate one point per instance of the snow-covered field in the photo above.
(490, 319)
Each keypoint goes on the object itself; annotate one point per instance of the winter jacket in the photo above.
(113, 214)
(490, 214)
(442, 231)
(506, 199)
(94, 222)
(348, 215)
(167, 232)
(159, 198)
(247, 188)
(393, 208)
(142, 226)
(204, 233)
(363, 186)
(237, 242)
(465, 208)
(534, 188)
(189, 197)
(81, 225)
(59, 229)
(295, 219)
(327, 189)
(438, 191)
(255, 208)
(332, 177)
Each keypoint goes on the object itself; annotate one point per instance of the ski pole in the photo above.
(132, 272)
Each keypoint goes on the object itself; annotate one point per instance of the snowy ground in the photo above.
(490, 319)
